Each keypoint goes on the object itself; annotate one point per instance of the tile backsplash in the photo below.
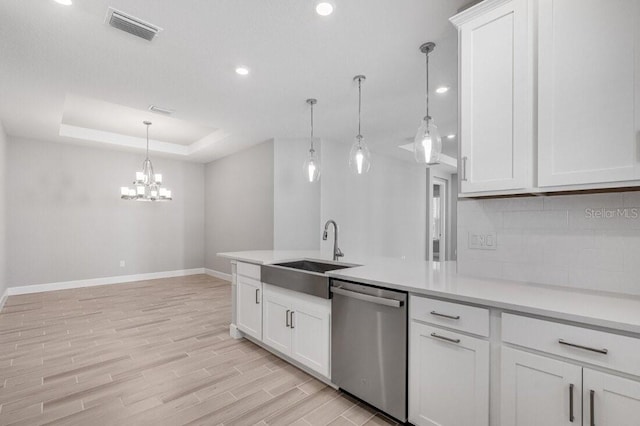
(582, 241)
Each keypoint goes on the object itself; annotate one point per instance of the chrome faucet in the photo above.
(336, 251)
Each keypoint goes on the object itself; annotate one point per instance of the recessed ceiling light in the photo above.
(451, 136)
(442, 89)
(324, 8)
(64, 2)
(242, 71)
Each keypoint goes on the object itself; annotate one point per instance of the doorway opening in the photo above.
(437, 220)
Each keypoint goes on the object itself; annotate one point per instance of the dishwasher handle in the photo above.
(367, 297)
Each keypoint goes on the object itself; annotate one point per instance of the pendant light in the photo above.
(147, 183)
(312, 163)
(428, 144)
(359, 157)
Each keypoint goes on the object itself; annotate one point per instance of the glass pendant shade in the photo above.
(311, 167)
(427, 145)
(359, 157)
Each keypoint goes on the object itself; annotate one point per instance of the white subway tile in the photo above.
(514, 204)
(535, 220)
(581, 202)
(480, 268)
(539, 274)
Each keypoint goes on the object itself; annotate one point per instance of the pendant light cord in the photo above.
(311, 127)
(359, 107)
(427, 97)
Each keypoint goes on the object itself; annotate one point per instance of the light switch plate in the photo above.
(483, 241)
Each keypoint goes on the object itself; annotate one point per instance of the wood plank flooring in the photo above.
(153, 352)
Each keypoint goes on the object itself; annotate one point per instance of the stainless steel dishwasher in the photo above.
(369, 345)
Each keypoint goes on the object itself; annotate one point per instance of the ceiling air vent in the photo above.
(131, 24)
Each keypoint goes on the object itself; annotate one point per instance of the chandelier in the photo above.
(147, 183)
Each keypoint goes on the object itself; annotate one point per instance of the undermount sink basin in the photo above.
(304, 276)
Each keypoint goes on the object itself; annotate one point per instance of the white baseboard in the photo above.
(3, 298)
(120, 279)
(218, 274)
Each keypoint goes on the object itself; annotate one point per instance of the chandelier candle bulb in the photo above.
(139, 177)
(124, 190)
(158, 178)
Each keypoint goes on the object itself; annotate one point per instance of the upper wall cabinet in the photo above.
(588, 91)
(549, 95)
(495, 97)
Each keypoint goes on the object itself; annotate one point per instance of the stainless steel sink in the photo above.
(304, 276)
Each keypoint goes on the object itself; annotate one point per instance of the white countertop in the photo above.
(440, 279)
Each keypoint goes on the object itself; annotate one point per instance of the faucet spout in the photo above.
(337, 253)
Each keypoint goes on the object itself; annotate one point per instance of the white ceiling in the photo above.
(51, 53)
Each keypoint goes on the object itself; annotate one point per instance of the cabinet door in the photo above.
(615, 401)
(588, 91)
(310, 326)
(496, 150)
(276, 330)
(538, 390)
(448, 378)
(249, 306)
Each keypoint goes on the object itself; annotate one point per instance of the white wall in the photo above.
(381, 213)
(67, 222)
(239, 204)
(296, 203)
(550, 240)
(3, 213)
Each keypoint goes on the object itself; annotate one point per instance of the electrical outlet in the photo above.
(122, 264)
(484, 241)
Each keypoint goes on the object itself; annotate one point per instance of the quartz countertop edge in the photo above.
(440, 280)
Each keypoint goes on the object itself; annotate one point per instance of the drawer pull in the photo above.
(571, 416)
(592, 410)
(292, 312)
(287, 318)
(586, 348)
(448, 339)
(438, 314)
(257, 296)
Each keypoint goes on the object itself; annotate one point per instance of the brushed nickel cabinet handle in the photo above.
(571, 416)
(592, 411)
(257, 296)
(287, 318)
(464, 168)
(448, 339)
(292, 326)
(438, 314)
(586, 348)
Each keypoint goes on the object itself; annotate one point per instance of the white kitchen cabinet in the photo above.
(610, 400)
(248, 299)
(448, 378)
(537, 390)
(495, 77)
(298, 325)
(277, 333)
(588, 92)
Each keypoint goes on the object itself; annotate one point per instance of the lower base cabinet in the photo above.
(299, 326)
(448, 378)
(537, 390)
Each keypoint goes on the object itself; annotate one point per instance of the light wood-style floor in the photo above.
(154, 352)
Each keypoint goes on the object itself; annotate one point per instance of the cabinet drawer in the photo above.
(453, 315)
(608, 350)
(248, 270)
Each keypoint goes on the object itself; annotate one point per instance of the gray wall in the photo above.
(296, 200)
(3, 210)
(67, 221)
(239, 204)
